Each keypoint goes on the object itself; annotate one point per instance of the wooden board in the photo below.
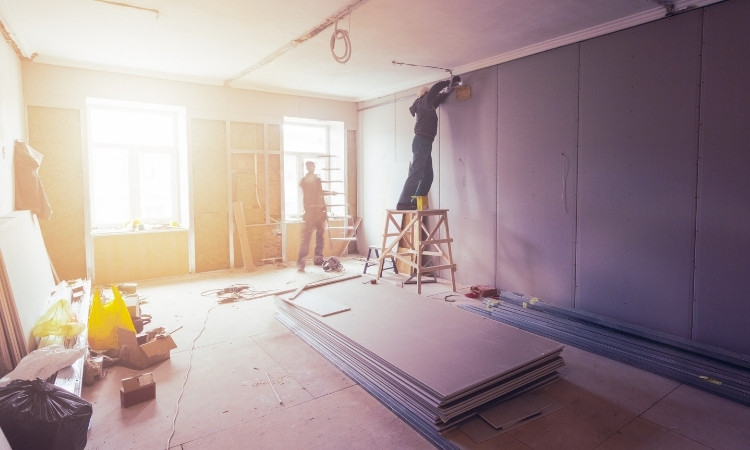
(239, 222)
(13, 340)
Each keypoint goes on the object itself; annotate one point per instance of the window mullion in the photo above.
(134, 182)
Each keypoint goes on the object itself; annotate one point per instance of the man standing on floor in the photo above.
(315, 216)
(419, 180)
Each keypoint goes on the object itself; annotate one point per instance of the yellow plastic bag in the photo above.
(105, 319)
(59, 320)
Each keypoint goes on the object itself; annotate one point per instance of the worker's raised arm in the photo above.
(434, 96)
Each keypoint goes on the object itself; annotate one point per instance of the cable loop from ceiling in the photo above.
(344, 36)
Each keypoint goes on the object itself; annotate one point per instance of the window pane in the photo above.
(155, 177)
(292, 206)
(304, 139)
(110, 190)
(132, 127)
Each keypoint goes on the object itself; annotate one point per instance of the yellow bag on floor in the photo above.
(105, 319)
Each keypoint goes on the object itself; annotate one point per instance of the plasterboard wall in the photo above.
(722, 256)
(463, 153)
(651, 118)
(537, 174)
(638, 145)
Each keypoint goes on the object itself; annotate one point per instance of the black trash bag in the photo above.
(39, 415)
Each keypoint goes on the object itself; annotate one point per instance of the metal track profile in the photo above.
(708, 368)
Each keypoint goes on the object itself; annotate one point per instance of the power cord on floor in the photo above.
(234, 291)
(187, 375)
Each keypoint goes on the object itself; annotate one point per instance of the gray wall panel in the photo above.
(536, 175)
(467, 176)
(637, 173)
(722, 308)
(377, 180)
(625, 109)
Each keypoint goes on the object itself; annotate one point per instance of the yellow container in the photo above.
(421, 201)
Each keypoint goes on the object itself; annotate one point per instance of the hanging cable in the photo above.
(344, 36)
(395, 63)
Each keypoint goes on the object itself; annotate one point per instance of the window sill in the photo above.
(121, 231)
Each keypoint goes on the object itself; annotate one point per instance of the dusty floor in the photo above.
(215, 393)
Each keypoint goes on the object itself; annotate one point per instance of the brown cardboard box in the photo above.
(133, 302)
(137, 389)
(141, 356)
(127, 288)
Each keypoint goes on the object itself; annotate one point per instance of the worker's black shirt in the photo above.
(424, 108)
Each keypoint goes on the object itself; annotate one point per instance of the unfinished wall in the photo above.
(56, 134)
(140, 255)
(621, 171)
(12, 121)
(210, 207)
(256, 176)
(210, 110)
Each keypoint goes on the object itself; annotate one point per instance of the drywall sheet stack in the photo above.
(432, 363)
(709, 368)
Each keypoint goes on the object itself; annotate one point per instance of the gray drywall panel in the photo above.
(639, 92)
(722, 283)
(536, 175)
(386, 129)
(467, 175)
(377, 186)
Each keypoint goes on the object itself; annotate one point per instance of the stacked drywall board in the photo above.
(433, 364)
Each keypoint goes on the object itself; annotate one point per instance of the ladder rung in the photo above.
(353, 238)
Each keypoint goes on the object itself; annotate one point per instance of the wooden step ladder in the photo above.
(421, 239)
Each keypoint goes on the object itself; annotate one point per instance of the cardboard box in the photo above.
(141, 356)
(127, 288)
(137, 389)
(133, 302)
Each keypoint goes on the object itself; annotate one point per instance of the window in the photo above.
(322, 143)
(136, 164)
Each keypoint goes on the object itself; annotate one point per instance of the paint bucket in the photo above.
(421, 201)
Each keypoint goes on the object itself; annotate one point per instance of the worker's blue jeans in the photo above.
(315, 222)
(420, 177)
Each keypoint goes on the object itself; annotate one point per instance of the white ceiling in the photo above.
(284, 45)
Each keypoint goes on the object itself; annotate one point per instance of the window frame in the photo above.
(328, 161)
(176, 151)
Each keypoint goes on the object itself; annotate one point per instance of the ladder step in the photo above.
(353, 238)
(349, 227)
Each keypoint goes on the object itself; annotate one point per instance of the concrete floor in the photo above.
(215, 393)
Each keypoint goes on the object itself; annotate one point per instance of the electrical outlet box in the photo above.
(463, 93)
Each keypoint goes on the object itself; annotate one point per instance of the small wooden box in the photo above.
(137, 389)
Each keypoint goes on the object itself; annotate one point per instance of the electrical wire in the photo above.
(566, 168)
(187, 375)
(344, 36)
(233, 291)
(394, 62)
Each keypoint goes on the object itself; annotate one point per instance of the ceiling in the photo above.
(285, 46)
